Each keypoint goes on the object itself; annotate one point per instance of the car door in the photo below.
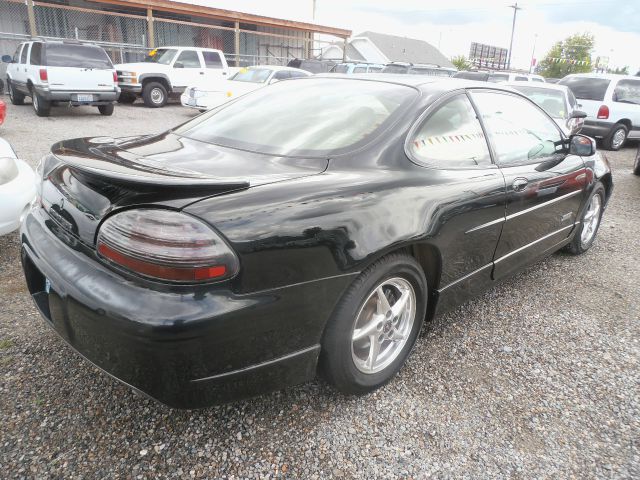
(468, 191)
(545, 185)
(20, 72)
(187, 69)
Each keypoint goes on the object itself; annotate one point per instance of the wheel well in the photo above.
(626, 122)
(607, 181)
(29, 85)
(161, 80)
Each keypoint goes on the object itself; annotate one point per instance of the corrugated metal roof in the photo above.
(403, 49)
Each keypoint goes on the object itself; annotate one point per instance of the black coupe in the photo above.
(311, 226)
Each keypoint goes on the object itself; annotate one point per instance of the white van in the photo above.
(612, 104)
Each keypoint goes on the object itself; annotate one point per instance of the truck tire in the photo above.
(16, 97)
(106, 109)
(40, 105)
(154, 95)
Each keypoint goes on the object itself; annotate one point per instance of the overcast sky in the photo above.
(454, 24)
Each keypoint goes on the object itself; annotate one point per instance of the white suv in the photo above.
(168, 71)
(612, 104)
(61, 71)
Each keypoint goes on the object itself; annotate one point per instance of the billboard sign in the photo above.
(489, 56)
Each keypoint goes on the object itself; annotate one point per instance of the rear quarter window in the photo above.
(35, 58)
(587, 88)
(627, 91)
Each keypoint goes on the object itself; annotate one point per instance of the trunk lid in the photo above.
(86, 179)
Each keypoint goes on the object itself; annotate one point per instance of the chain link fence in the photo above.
(127, 34)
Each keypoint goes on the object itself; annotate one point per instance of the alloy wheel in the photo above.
(618, 138)
(383, 325)
(591, 219)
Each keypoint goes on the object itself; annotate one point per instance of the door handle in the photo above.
(519, 184)
(201, 73)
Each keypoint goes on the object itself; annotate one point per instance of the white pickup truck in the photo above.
(167, 71)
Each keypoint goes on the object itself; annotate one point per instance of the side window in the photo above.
(360, 70)
(519, 131)
(627, 91)
(451, 137)
(375, 69)
(294, 74)
(520, 78)
(35, 58)
(188, 59)
(212, 59)
(23, 56)
(282, 75)
(16, 56)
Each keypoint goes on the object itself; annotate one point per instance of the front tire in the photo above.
(106, 110)
(41, 106)
(589, 223)
(154, 95)
(616, 138)
(375, 325)
(16, 98)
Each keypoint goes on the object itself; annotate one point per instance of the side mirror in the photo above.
(576, 121)
(578, 114)
(582, 145)
(178, 65)
(7, 59)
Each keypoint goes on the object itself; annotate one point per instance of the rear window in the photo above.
(627, 91)
(587, 88)
(315, 117)
(76, 56)
(498, 77)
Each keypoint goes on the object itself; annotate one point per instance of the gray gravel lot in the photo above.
(538, 378)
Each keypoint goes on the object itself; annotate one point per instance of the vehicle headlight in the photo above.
(8, 169)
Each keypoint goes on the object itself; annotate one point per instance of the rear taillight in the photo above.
(166, 245)
(603, 112)
(43, 75)
(115, 77)
(3, 112)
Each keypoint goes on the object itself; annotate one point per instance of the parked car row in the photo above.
(498, 77)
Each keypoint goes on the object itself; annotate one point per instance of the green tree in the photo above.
(571, 55)
(620, 70)
(461, 62)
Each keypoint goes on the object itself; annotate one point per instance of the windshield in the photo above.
(551, 101)
(77, 56)
(252, 75)
(313, 117)
(163, 56)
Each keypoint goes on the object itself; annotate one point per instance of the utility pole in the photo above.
(513, 28)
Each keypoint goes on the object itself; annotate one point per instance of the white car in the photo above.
(17, 188)
(612, 104)
(167, 71)
(205, 96)
(61, 71)
(557, 100)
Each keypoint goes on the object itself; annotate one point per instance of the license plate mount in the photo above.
(85, 98)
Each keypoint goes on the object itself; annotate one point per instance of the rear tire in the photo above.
(16, 98)
(616, 138)
(126, 98)
(589, 223)
(636, 163)
(154, 95)
(106, 110)
(366, 341)
(41, 106)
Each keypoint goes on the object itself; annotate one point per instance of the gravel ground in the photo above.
(538, 378)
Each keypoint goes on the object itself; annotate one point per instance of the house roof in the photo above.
(403, 49)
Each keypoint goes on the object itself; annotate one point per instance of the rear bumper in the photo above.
(99, 97)
(596, 128)
(187, 347)
(128, 88)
